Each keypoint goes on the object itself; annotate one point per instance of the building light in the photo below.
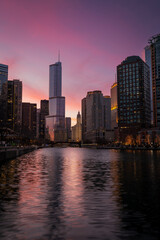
(113, 108)
(114, 85)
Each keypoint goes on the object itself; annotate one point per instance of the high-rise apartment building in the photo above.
(77, 129)
(152, 57)
(96, 111)
(107, 112)
(14, 105)
(68, 128)
(44, 111)
(114, 106)
(38, 123)
(55, 122)
(33, 120)
(3, 94)
(26, 119)
(133, 90)
(29, 120)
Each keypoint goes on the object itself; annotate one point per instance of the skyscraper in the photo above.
(114, 106)
(44, 111)
(33, 120)
(152, 55)
(29, 120)
(38, 123)
(77, 130)
(3, 94)
(96, 113)
(107, 112)
(14, 108)
(133, 90)
(55, 122)
(68, 128)
(149, 63)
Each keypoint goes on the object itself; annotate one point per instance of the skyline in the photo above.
(93, 40)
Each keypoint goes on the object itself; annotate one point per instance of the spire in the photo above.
(115, 78)
(78, 117)
(58, 55)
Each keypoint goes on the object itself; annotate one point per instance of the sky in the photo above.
(93, 37)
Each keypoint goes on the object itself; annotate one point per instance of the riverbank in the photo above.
(94, 146)
(7, 153)
(97, 146)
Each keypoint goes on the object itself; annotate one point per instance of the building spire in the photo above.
(58, 55)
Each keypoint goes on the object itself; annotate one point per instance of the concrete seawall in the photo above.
(8, 154)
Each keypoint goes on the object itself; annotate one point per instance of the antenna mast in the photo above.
(58, 55)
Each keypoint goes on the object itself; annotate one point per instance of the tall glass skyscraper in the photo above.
(3, 94)
(152, 56)
(55, 122)
(133, 95)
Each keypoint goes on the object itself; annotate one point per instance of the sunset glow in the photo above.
(93, 38)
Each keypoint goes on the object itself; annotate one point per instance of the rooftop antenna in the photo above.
(58, 55)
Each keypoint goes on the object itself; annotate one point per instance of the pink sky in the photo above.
(94, 36)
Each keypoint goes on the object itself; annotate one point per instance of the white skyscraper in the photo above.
(55, 122)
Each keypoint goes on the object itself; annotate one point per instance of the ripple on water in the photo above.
(76, 193)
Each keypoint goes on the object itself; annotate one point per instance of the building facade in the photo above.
(152, 53)
(44, 111)
(114, 106)
(29, 120)
(38, 124)
(55, 121)
(14, 106)
(95, 115)
(149, 63)
(77, 130)
(107, 112)
(68, 128)
(3, 94)
(133, 94)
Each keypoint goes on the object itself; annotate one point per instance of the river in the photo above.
(78, 193)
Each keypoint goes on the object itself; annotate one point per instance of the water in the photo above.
(73, 193)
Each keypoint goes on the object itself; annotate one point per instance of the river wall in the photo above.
(8, 154)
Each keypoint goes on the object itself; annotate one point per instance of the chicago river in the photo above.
(76, 193)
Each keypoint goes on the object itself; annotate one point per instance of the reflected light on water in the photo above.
(73, 186)
(74, 193)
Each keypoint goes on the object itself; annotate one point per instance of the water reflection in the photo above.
(73, 193)
(9, 184)
(9, 196)
(139, 181)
